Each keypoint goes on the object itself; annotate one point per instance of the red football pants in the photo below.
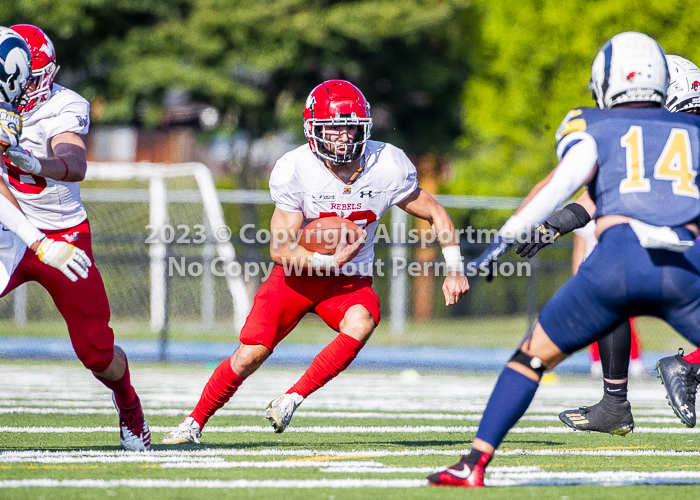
(282, 301)
(82, 304)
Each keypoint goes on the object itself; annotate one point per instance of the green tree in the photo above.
(257, 61)
(531, 67)
(88, 34)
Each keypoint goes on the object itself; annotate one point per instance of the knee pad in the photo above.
(532, 362)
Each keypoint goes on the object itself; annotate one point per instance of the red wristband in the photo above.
(64, 162)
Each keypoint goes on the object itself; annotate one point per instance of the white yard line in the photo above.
(506, 478)
(313, 456)
(471, 417)
(604, 478)
(176, 389)
(342, 429)
(215, 484)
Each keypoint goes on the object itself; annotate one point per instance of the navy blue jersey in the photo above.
(647, 162)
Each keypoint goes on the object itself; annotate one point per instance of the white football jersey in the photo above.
(50, 204)
(300, 182)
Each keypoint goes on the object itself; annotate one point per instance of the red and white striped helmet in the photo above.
(44, 66)
(336, 103)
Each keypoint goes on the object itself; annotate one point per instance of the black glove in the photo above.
(572, 216)
(541, 236)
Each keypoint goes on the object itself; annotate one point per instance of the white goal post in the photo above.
(158, 198)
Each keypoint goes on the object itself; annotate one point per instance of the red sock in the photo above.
(636, 342)
(333, 359)
(124, 393)
(222, 384)
(593, 352)
(693, 357)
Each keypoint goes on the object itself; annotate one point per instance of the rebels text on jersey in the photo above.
(300, 182)
(50, 204)
(647, 161)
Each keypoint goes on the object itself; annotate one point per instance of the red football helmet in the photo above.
(44, 66)
(332, 104)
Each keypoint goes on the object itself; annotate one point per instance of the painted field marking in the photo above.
(214, 454)
(215, 484)
(603, 478)
(539, 478)
(475, 417)
(341, 429)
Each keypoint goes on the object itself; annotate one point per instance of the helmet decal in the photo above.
(631, 67)
(684, 88)
(15, 67)
(44, 67)
(336, 103)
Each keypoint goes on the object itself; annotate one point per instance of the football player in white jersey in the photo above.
(43, 173)
(338, 173)
(16, 231)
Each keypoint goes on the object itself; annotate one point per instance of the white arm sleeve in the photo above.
(573, 171)
(13, 218)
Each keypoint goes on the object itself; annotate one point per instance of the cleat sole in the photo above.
(275, 421)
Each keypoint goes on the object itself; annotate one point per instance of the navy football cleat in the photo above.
(601, 417)
(681, 381)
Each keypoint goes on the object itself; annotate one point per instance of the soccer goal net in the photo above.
(156, 230)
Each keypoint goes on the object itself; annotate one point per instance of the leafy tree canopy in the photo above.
(257, 61)
(532, 66)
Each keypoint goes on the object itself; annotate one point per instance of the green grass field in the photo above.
(365, 435)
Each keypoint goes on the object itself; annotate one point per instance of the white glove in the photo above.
(23, 160)
(10, 125)
(64, 257)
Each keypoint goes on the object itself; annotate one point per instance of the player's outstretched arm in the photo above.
(573, 216)
(285, 250)
(574, 170)
(68, 259)
(68, 164)
(499, 245)
(422, 205)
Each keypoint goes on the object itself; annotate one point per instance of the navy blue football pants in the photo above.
(619, 280)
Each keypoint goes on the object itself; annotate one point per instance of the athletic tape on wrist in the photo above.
(28, 233)
(323, 262)
(453, 259)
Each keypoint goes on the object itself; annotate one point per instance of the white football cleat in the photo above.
(134, 434)
(187, 432)
(279, 412)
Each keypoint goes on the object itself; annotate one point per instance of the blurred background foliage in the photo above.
(480, 85)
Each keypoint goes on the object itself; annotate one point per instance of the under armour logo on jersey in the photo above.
(367, 193)
(71, 238)
(82, 120)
